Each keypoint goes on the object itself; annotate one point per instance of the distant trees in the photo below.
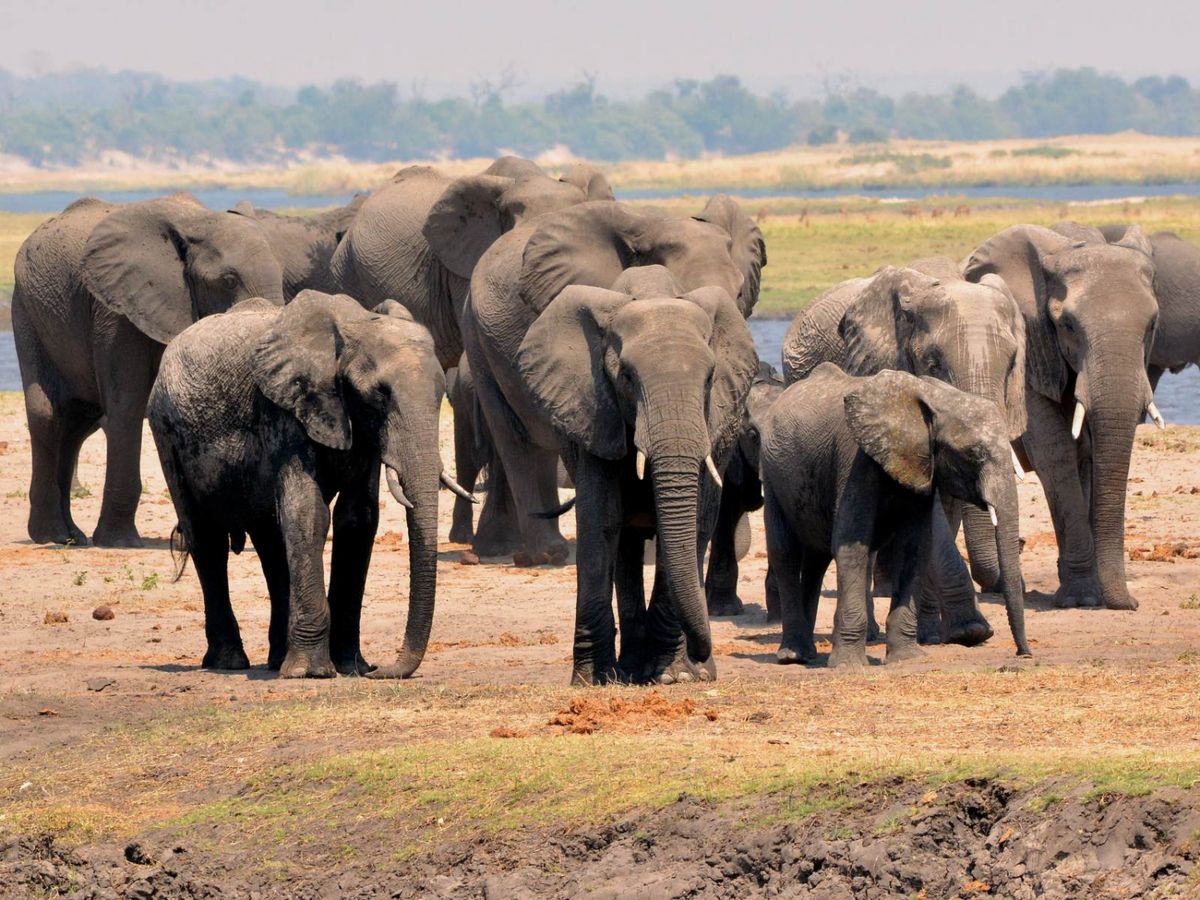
(66, 118)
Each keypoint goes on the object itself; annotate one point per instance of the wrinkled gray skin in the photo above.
(1090, 314)
(471, 450)
(618, 373)
(741, 494)
(304, 245)
(926, 319)
(100, 289)
(417, 239)
(1177, 289)
(263, 416)
(591, 244)
(850, 464)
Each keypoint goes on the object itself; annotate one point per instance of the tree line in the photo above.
(71, 118)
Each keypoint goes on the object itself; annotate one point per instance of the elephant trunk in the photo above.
(1002, 494)
(977, 524)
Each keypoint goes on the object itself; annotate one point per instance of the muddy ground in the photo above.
(127, 770)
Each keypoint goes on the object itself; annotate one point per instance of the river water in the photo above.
(1178, 396)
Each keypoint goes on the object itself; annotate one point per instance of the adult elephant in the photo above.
(100, 290)
(1177, 288)
(1090, 314)
(589, 245)
(304, 245)
(925, 319)
(645, 391)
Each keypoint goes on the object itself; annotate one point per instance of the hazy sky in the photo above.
(628, 44)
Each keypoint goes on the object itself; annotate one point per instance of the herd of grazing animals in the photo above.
(286, 363)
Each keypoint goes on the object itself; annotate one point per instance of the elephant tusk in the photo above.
(1077, 422)
(457, 488)
(1018, 469)
(712, 470)
(1156, 416)
(640, 465)
(992, 513)
(393, 483)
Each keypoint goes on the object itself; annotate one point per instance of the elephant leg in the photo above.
(721, 581)
(788, 561)
(629, 578)
(598, 518)
(466, 469)
(272, 557)
(78, 424)
(947, 606)
(355, 521)
(774, 613)
(497, 533)
(666, 649)
(910, 549)
(1054, 455)
(850, 620)
(209, 548)
(304, 519)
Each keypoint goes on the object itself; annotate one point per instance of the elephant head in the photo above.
(927, 435)
(1090, 313)
(593, 243)
(368, 383)
(164, 263)
(658, 380)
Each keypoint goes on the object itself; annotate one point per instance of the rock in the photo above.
(138, 855)
(55, 617)
(99, 684)
(103, 614)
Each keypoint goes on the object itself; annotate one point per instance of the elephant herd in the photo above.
(285, 362)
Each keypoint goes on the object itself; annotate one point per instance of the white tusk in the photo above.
(1077, 422)
(457, 488)
(1156, 416)
(1018, 469)
(712, 470)
(641, 465)
(393, 483)
(992, 513)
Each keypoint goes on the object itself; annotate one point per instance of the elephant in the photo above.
(262, 416)
(472, 453)
(850, 463)
(590, 244)
(1090, 314)
(741, 494)
(925, 319)
(644, 390)
(304, 245)
(1177, 289)
(100, 289)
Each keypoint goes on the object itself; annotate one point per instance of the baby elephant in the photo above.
(262, 416)
(850, 463)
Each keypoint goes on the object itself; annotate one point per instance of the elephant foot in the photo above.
(72, 537)
(1082, 592)
(901, 651)
(351, 663)
(225, 657)
(275, 659)
(796, 653)
(495, 540)
(875, 634)
(595, 674)
(1120, 599)
(123, 534)
(929, 628)
(555, 555)
(724, 604)
(848, 656)
(307, 663)
(967, 627)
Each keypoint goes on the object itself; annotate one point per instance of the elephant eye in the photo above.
(229, 281)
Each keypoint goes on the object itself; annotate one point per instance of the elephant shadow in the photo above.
(254, 673)
(147, 544)
(1039, 600)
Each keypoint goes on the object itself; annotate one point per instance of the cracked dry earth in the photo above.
(964, 773)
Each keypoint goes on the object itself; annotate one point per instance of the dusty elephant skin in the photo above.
(261, 416)
(850, 464)
(978, 837)
(100, 289)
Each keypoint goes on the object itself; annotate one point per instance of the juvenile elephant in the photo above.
(1090, 314)
(925, 319)
(263, 416)
(100, 289)
(304, 245)
(852, 463)
(591, 244)
(645, 393)
(741, 494)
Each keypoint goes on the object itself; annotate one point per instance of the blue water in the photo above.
(1178, 396)
(224, 198)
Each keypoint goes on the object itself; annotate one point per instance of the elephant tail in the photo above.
(179, 552)
(559, 510)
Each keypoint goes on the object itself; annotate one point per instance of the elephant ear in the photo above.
(466, 220)
(1014, 391)
(514, 167)
(296, 365)
(736, 365)
(133, 263)
(1018, 255)
(876, 325)
(561, 362)
(587, 244)
(589, 180)
(1135, 238)
(245, 208)
(749, 250)
(1077, 231)
(890, 420)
